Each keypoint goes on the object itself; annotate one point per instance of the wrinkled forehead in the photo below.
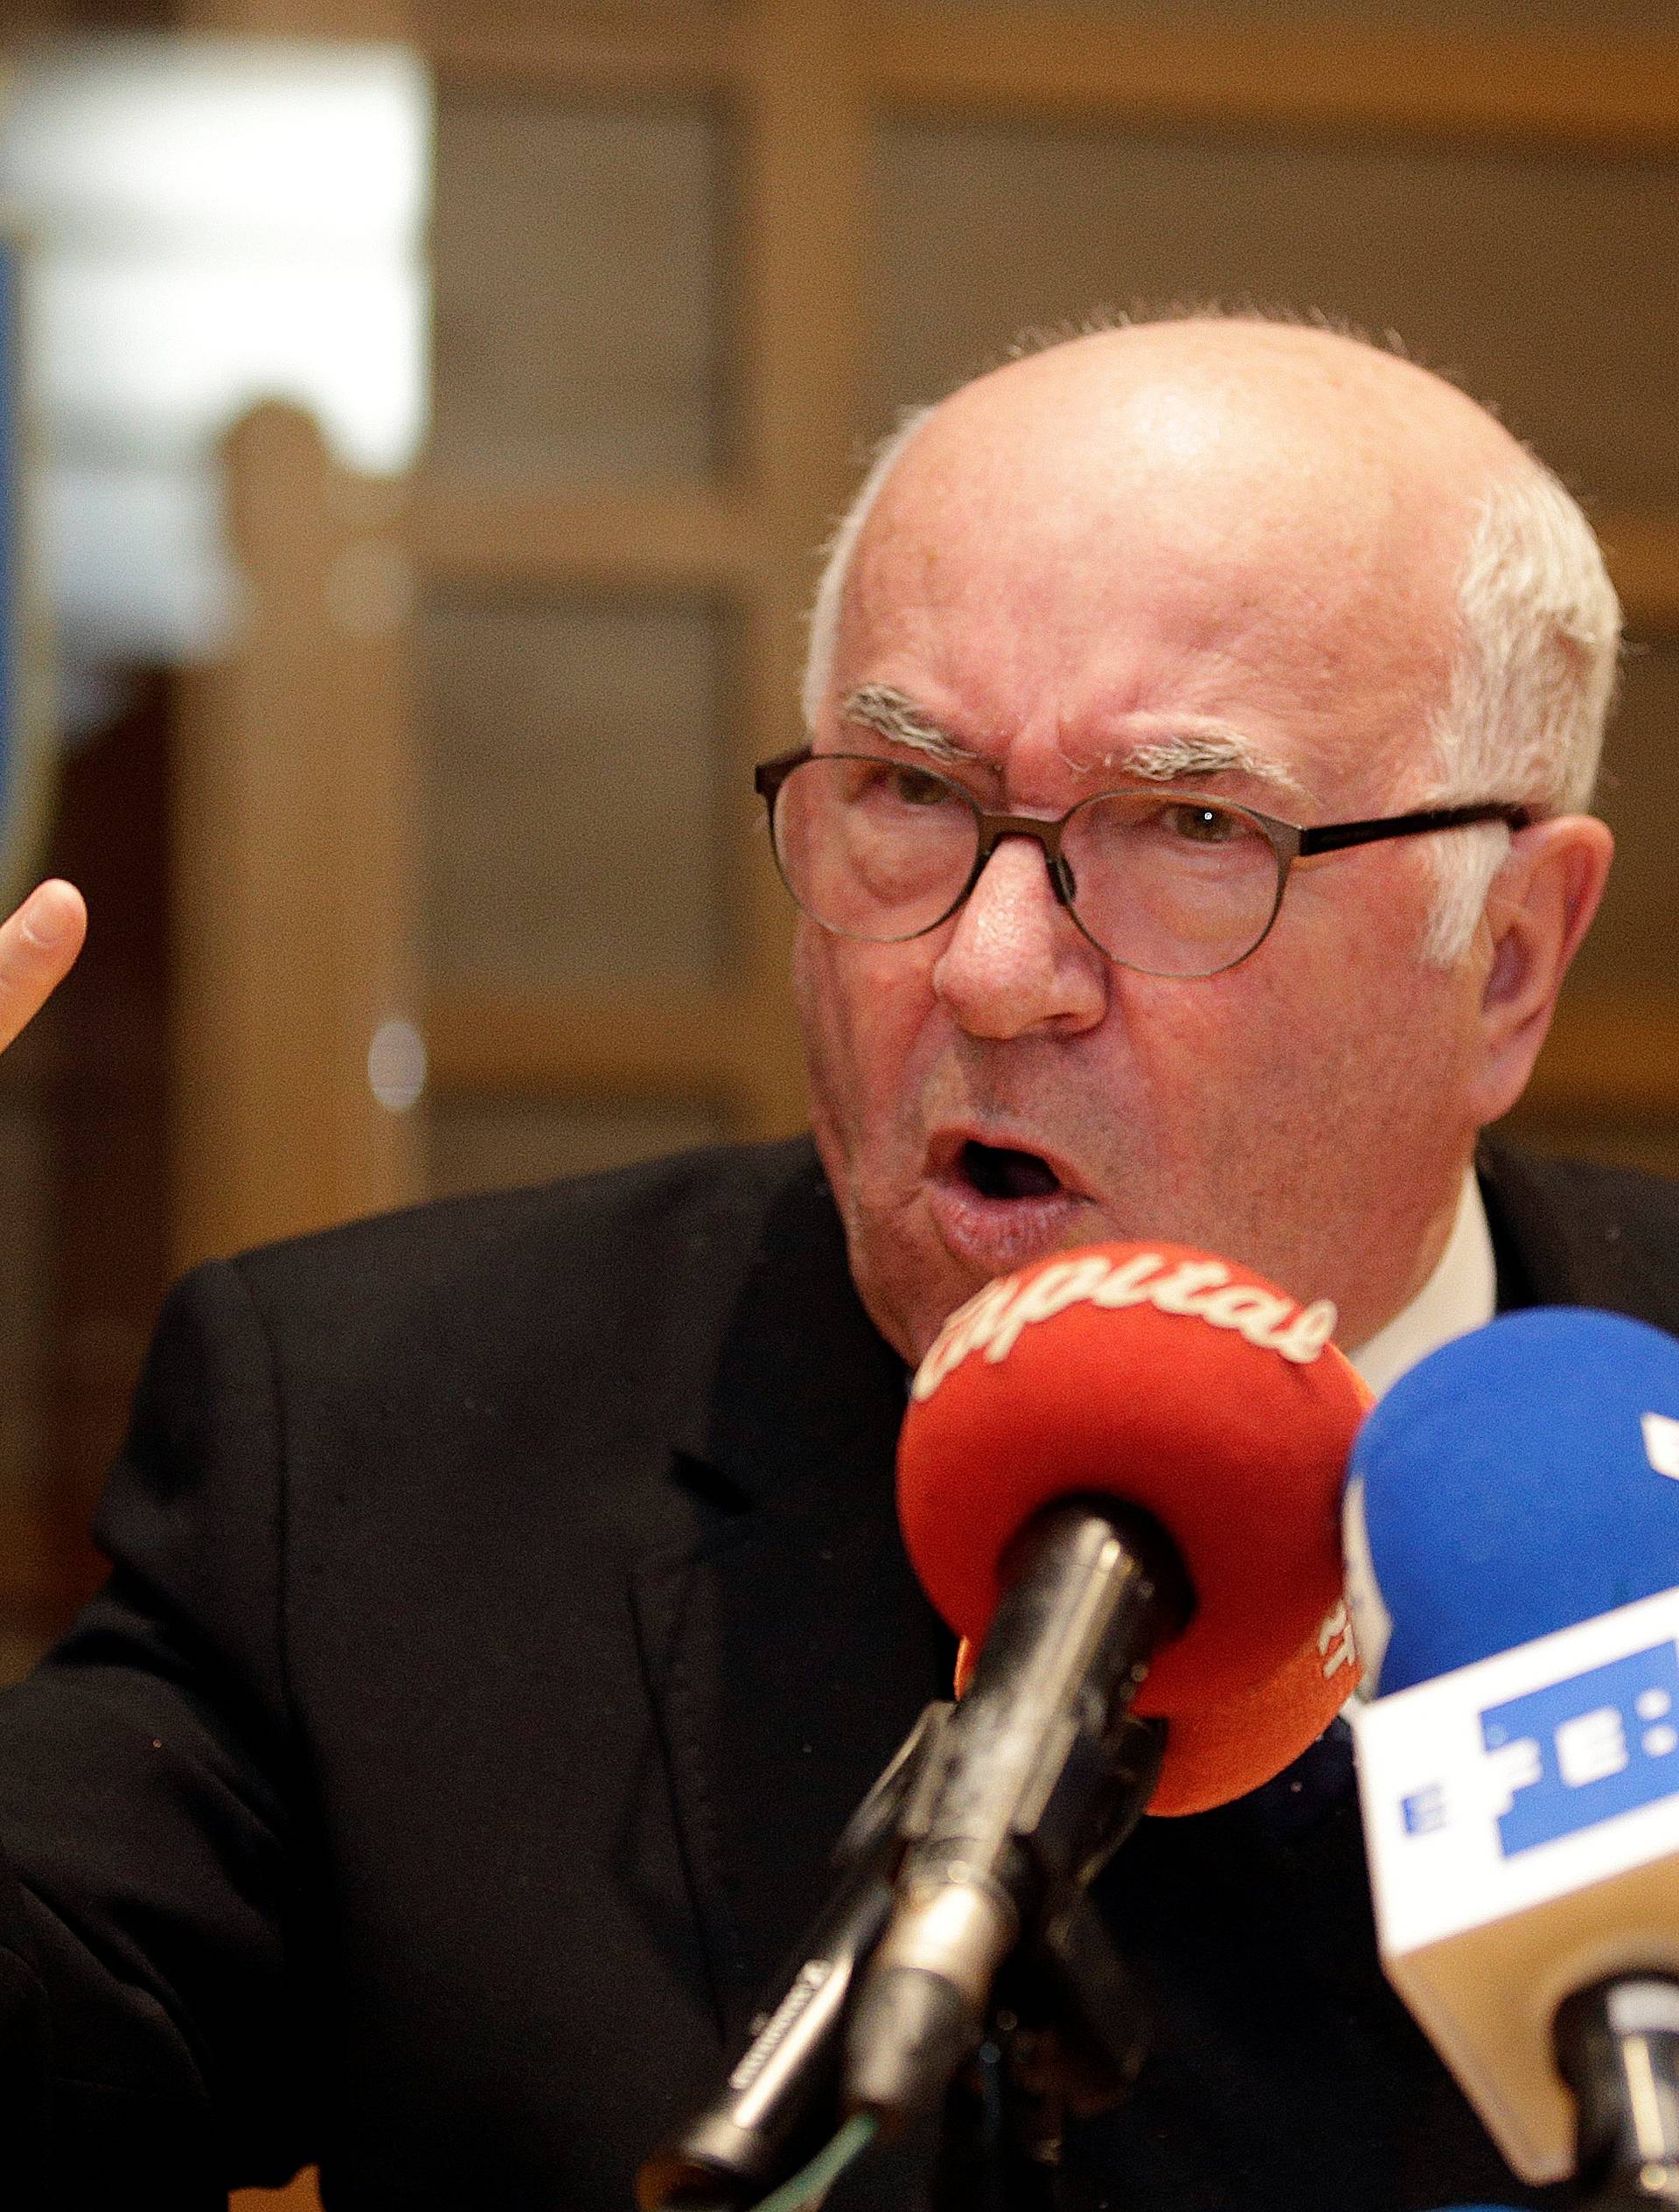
(1310, 533)
(1311, 479)
(1161, 409)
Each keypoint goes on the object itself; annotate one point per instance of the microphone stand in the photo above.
(1001, 2131)
(1065, 2032)
(1065, 2035)
(1045, 1771)
(779, 2102)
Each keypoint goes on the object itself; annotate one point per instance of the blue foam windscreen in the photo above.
(1512, 1485)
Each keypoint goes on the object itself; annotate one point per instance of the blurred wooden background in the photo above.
(482, 750)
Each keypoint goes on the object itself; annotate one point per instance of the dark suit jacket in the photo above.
(507, 1609)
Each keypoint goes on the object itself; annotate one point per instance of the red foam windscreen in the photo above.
(1195, 1389)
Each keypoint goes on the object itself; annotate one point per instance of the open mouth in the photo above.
(997, 1206)
(998, 1171)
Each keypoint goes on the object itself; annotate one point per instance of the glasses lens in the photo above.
(1171, 884)
(872, 848)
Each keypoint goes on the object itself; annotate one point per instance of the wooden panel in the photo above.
(489, 1143)
(602, 223)
(1007, 63)
(294, 860)
(624, 1044)
(572, 791)
(391, 20)
(612, 539)
(1607, 1083)
(58, 18)
(693, 536)
(1514, 80)
(1333, 18)
(1634, 945)
(1609, 1136)
(1643, 550)
(801, 275)
(986, 231)
(671, 53)
(1607, 1049)
(1612, 1052)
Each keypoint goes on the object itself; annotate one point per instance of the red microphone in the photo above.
(1119, 1481)
(1194, 1389)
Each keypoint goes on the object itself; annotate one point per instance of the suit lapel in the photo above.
(785, 1644)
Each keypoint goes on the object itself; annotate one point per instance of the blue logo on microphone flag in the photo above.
(23, 671)
(1425, 1811)
(1582, 1750)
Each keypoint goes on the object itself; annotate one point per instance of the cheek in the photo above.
(861, 1008)
(1351, 1031)
(1316, 1028)
(826, 1012)
(1345, 956)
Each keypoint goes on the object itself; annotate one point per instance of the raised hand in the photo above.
(38, 944)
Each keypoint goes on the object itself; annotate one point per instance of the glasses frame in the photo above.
(1288, 841)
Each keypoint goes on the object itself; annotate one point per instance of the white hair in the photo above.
(837, 554)
(1530, 686)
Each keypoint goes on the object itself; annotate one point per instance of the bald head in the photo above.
(1340, 477)
(1166, 406)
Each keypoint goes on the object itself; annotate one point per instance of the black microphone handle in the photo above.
(1618, 2049)
(778, 2100)
(746, 2142)
(1017, 1802)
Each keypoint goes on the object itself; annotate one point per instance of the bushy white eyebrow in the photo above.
(878, 707)
(1157, 760)
(1164, 760)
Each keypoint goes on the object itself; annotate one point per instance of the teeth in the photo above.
(998, 1172)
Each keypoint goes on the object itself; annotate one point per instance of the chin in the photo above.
(910, 1286)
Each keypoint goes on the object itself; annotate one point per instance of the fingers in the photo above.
(37, 946)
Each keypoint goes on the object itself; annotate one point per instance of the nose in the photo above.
(1015, 960)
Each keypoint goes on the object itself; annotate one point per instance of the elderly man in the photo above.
(507, 1605)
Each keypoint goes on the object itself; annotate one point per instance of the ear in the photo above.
(1539, 908)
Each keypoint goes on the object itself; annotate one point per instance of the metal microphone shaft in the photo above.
(1018, 1804)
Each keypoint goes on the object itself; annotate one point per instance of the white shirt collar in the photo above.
(1461, 1295)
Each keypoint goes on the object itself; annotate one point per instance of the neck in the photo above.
(1457, 1292)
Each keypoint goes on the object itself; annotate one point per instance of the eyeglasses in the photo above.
(1170, 883)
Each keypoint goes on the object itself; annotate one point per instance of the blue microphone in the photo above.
(1513, 1555)
(1517, 1481)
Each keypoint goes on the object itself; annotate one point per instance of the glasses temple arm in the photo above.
(1335, 837)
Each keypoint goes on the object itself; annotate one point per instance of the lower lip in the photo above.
(993, 1235)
